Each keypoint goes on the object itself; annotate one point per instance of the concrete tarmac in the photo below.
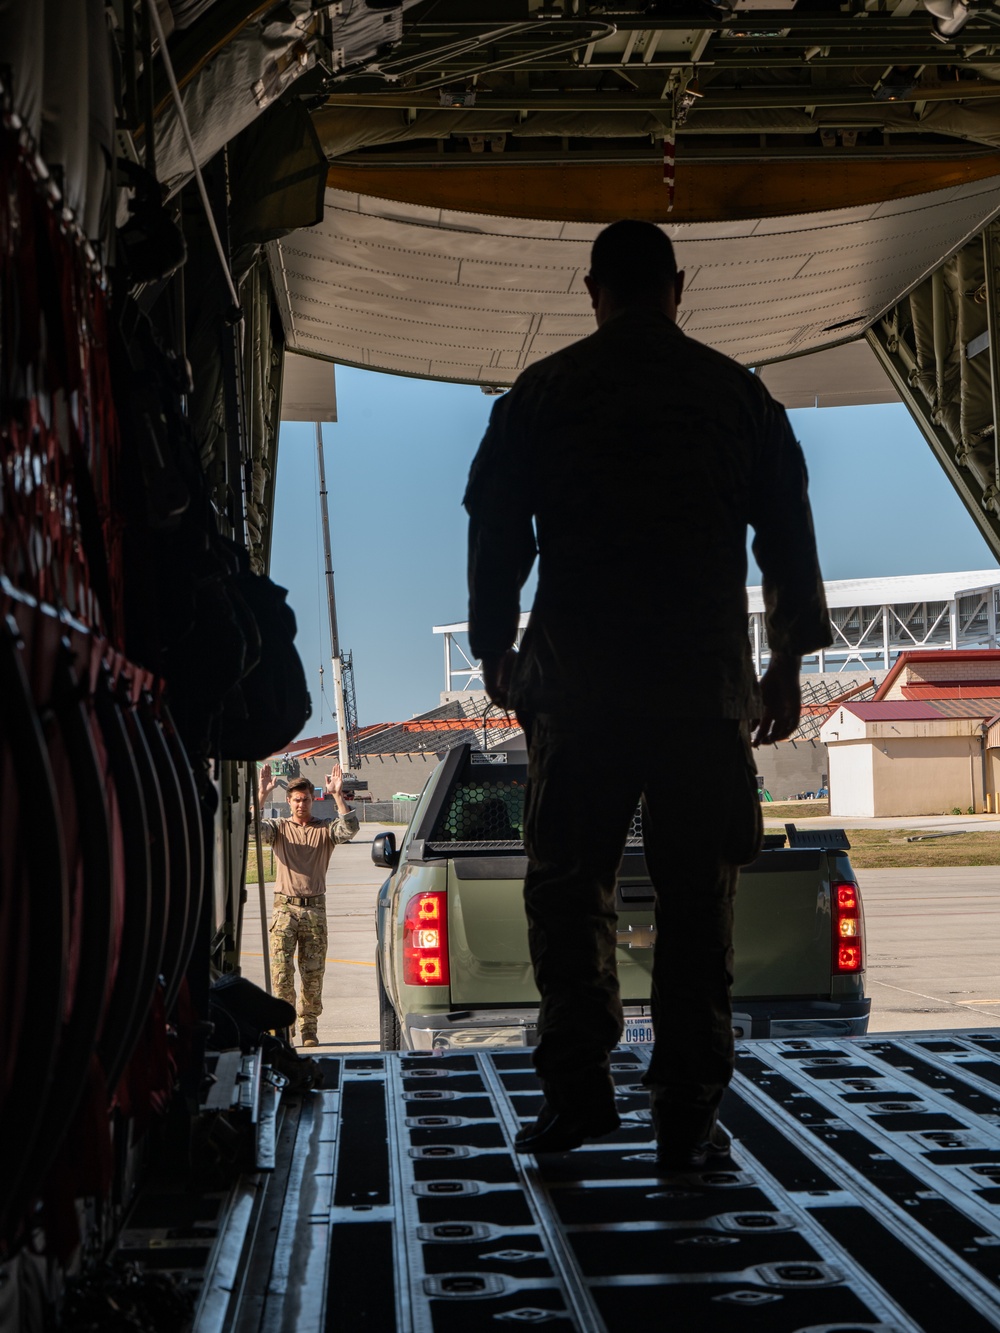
(933, 945)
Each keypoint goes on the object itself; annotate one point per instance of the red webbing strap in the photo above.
(148, 1082)
(59, 538)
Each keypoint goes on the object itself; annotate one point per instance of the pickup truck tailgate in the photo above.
(783, 933)
(487, 932)
(783, 940)
(488, 935)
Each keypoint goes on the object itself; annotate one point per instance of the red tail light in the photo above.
(847, 929)
(425, 940)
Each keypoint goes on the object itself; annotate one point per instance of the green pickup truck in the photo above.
(452, 957)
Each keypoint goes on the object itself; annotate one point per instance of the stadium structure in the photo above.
(873, 621)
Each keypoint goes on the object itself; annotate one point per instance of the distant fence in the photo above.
(385, 812)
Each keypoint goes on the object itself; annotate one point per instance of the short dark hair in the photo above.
(632, 259)
(300, 784)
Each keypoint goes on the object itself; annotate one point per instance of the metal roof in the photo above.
(896, 588)
(923, 710)
(983, 707)
(894, 710)
(454, 723)
(884, 591)
(953, 689)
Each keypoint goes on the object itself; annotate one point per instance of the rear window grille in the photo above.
(482, 810)
(490, 812)
(634, 838)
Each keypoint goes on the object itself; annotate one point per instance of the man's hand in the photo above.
(497, 672)
(265, 784)
(335, 787)
(782, 700)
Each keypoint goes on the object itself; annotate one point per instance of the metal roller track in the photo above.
(863, 1195)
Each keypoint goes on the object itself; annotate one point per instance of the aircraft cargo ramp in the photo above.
(863, 1195)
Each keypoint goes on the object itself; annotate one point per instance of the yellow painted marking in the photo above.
(351, 962)
(977, 1002)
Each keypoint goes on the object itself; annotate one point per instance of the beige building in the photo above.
(927, 742)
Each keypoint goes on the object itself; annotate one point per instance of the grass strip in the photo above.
(888, 849)
(268, 857)
(792, 811)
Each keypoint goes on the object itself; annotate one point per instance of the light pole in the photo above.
(331, 600)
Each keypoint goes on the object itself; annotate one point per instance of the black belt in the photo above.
(313, 900)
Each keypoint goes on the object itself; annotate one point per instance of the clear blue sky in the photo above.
(396, 465)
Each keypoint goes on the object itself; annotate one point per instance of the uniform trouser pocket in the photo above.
(694, 870)
(743, 822)
(312, 963)
(282, 936)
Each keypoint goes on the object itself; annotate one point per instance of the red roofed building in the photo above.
(926, 744)
(399, 756)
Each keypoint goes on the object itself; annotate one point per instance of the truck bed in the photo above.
(864, 1195)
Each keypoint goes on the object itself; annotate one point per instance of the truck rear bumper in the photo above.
(469, 1028)
(803, 1018)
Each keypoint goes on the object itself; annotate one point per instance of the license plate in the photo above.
(638, 1032)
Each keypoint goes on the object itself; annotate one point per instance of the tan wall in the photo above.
(926, 775)
(843, 725)
(851, 779)
(947, 668)
(788, 769)
(952, 668)
(385, 776)
(993, 779)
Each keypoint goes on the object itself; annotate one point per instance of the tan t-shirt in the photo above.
(303, 851)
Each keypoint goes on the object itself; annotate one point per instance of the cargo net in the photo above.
(482, 815)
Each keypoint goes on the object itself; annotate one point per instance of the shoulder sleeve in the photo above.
(343, 828)
(269, 831)
(784, 544)
(499, 502)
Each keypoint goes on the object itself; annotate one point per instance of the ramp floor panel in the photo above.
(863, 1196)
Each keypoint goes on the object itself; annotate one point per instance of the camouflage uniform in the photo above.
(638, 457)
(298, 923)
(303, 928)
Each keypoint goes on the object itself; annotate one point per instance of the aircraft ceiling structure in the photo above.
(468, 297)
(816, 160)
(828, 156)
(816, 92)
(485, 112)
